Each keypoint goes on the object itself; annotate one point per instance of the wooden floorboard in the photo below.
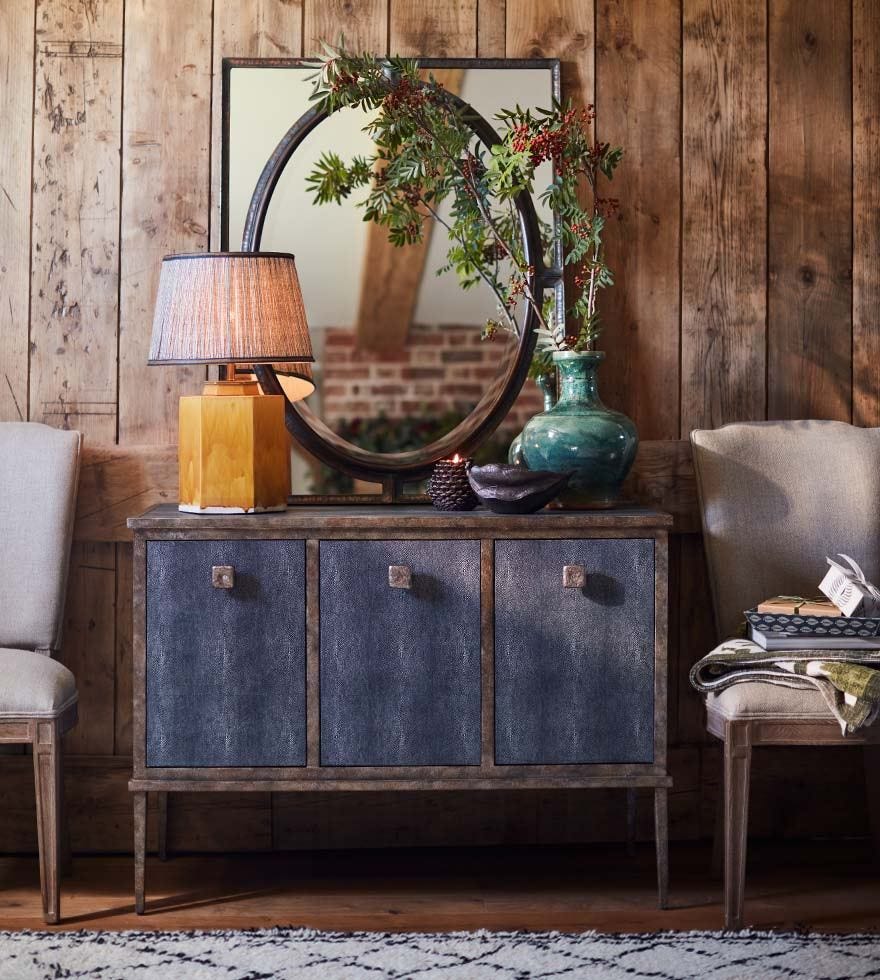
(829, 887)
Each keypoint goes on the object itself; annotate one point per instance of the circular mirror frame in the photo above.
(394, 470)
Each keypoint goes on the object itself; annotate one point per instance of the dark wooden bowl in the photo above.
(507, 489)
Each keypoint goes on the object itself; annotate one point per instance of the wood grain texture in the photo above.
(810, 210)
(75, 219)
(638, 106)
(118, 481)
(723, 275)
(573, 889)
(491, 28)
(16, 105)
(441, 30)
(246, 29)
(88, 645)
(165, 158)
(363, 22)
(866, 212)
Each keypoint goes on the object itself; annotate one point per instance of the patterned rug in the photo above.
(297, 954)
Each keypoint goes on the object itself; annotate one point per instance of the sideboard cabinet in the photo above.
(360, 648)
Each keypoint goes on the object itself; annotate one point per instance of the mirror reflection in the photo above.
(399, 355)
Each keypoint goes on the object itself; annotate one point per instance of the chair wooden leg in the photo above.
(661, 832)
(737, 762)
(871, 761)
(631, 817)
(162, 800)
(47, 782)
(140, 847)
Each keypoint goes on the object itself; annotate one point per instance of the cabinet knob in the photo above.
(223, 576)
(400, 576)
(574, 576)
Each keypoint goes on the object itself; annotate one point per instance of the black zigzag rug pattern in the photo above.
(304, 954)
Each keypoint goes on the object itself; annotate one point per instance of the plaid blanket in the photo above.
(849, 680)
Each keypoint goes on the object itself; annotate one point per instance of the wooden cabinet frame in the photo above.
(404, 523)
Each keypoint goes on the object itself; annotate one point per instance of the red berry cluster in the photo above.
(549, 140)
(405, 96)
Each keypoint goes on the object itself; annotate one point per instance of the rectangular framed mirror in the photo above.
(399, 359)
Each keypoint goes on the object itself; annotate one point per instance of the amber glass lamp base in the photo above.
(234, 450)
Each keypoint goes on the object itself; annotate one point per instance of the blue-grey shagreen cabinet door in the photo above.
(574, 667)
(400, 667)
(226, 666)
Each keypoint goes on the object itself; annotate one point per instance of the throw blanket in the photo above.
(849, 680)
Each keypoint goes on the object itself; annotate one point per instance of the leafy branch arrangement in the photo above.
(425, 153)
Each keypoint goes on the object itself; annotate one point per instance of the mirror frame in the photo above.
(394, 470)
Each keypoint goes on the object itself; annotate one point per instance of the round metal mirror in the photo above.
(472, 424)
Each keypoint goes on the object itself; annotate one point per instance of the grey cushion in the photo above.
(776, 498)
(38, 476)
(753, 699)
(33, 685)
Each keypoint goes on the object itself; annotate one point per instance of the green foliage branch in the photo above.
(425, 152)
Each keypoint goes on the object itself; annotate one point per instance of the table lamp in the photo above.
(232, 308)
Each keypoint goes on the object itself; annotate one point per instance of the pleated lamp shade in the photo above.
(228, 307)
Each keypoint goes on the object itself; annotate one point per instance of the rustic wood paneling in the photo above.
(16, 105)
(75, 218)
(165, 159)
(638, 106)
(246, 29)
(723, 274)
(364, 24)
(77, 115)
(442, 30)
(866, 212)
(491, 28)
(810, 202)
(683, 85)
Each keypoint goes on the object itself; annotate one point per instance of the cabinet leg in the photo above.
(140, 847)
(661, 833)
(162, 800)
(631, 817)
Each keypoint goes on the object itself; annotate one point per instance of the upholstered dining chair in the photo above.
(776, 499)
(38, 478)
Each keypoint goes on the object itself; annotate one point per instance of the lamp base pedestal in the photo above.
(234, 451)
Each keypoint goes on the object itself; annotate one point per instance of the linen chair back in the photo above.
(776, 498)
(39, 468)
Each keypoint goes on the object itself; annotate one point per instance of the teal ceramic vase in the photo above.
(547, 384)
(580, 435)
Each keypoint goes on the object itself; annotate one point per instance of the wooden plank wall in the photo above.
(747, 255)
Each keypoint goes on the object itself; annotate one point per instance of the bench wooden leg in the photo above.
(47, 782)
(737, 763)
(661, 832)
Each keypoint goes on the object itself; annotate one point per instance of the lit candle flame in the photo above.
(456, 458)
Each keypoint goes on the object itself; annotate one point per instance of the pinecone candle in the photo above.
(449, 488)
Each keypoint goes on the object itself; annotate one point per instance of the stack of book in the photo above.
(795, 623)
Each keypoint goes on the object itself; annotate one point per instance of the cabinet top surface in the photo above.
(166, 517)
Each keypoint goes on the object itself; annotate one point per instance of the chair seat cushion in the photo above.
(33, 685)
(758, 699)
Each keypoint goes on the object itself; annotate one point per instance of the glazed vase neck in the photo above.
(578, 380)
